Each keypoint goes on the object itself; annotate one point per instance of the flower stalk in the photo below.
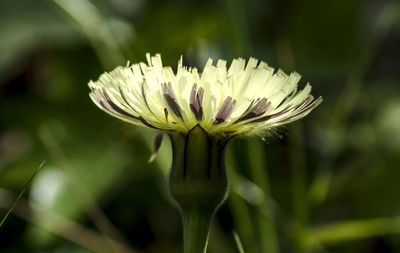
(196, 228)
(198, 183)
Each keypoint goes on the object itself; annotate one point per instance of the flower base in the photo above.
(198, 183)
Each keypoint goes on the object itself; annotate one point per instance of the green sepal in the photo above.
(198, 183)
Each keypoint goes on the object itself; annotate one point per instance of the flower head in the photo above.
(244, 99)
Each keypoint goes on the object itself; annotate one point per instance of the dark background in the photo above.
(327, 183)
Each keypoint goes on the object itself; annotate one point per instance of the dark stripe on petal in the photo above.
(106, 102)
(200, 95)
(125, 99)
(249, 108)
(166, 115)
(171, 100)
(271, 116)
(199, 98)
(113, 105)
(304, 103)
(196, 100)
(145, 100)
(259, 109)
(95, 96)
(309, 108)
(108, 107)
(147, 123)
(225, 111)
(193, 94)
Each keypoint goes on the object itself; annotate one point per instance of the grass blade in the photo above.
(22, 192)
(238, 242)
(257, 165)
(61, 226)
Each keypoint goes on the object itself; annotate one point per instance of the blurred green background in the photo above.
(328, 183)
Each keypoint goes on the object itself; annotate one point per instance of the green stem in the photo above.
(196, 227)
(299, 190)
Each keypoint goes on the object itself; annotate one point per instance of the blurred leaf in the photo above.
(69, 201)
(108, 36)
(39, 27)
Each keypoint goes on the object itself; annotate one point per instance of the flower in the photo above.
(244, 99)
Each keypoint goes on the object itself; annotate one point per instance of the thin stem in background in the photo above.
(257, 165)
(347, 100)
(61, 226)
(240, 28)
(238, 242)
(242, 221)
(297, 158)
(300, 200)
(241, 215)
(20, 195)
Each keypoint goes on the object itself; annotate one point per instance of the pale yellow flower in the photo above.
(244, 99)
